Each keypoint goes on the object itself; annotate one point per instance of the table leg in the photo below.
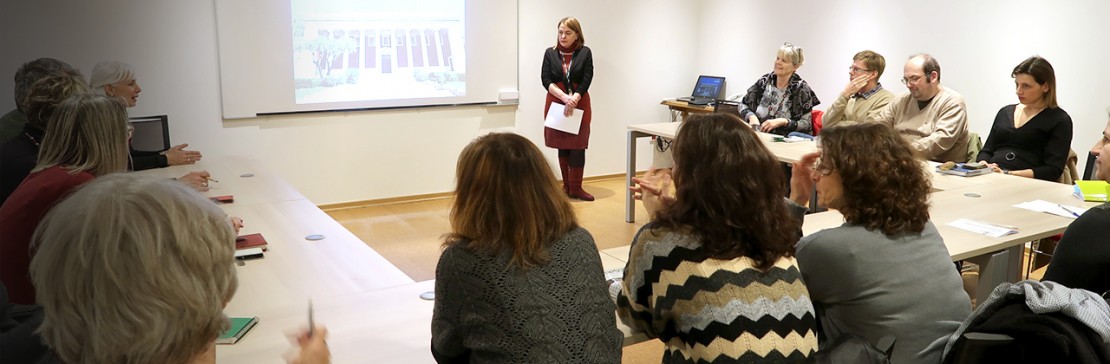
(997, 268)
(629, 202)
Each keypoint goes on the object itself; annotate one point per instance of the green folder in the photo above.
(1097, 191)
(239, 327)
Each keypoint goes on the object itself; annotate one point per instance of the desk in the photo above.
(785, 152)
(263, 187)
(391, 325)
(684, 108)
(295, 269)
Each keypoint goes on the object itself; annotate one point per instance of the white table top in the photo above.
(262, 187)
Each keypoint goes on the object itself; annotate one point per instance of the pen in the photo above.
(311, 321)
(1068, 210)
(211, 179)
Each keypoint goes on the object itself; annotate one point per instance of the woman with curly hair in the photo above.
(886, 270)
(713, 275)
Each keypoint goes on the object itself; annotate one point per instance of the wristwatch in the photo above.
(1005, 171)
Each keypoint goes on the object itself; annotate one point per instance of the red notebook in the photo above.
(251, 241)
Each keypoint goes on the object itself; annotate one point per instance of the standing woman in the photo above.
(568, 70)
(519, 281)
(1031, 138)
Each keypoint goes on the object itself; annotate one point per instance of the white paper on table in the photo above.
(795, 139)
(983, 228)
(558, 121)
(1067, 211)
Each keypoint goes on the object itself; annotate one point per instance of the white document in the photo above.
(983, 228)
(1067, 211)
(556, 119)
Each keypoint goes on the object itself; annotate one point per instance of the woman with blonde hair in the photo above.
(86, 138)
(136, 269)
(519, 281)
(873, 275)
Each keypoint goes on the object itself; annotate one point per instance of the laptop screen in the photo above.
(708, 87)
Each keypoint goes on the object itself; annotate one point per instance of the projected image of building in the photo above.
(345, 57)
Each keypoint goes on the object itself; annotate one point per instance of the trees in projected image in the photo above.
(344, 56)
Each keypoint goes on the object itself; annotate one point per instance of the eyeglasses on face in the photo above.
(855, 69)
(822, 169)
(911, 79)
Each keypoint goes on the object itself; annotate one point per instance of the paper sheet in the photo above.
(556, 119)
(983, 228)
(1067, 211)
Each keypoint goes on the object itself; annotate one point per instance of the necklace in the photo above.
(33, 140)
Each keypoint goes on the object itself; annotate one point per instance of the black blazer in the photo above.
(581, 70)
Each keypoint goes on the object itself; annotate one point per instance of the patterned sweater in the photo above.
(486, 312)
(708, 310)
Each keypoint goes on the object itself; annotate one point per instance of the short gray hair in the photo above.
(87, 133)
(107, 73)
(133, 269)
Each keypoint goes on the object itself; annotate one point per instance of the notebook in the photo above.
(239, 327)
(706, 90)
(251, 241)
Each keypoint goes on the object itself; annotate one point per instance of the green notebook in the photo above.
(1096, 191)
(239, 327)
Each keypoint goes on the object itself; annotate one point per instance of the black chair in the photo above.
(1089, 169)
(152, 133)
(981, 347)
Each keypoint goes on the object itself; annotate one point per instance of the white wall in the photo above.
(643, 51)
(339, 157)
(977, 43)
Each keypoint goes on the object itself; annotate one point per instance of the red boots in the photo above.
(572, 181)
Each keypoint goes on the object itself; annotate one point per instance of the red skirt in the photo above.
(562, 140)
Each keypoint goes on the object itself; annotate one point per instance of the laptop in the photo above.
(706, 90)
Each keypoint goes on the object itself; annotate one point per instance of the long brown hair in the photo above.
(885, 186)
(507, 201)
(1042, 72)
(730, 191)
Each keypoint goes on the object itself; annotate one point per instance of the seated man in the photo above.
(864, 98)
(931, 117)
(1082, 258)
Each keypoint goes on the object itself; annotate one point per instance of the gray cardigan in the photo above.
(486, 312)
(869, 284)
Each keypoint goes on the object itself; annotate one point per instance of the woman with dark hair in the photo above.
(713, 275)
(519, 281)
(1031, 138)
(568, 70)
(886, 270)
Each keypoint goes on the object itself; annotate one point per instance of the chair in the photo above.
(974, 145)
(152, 133)
(1070, 174)
(1089, 168)
(981, 347)
(816, 118)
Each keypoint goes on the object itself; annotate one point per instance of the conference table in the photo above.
(989, 198)
(365, 301)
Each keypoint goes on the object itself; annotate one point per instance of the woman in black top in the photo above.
(1032, 138)
(568, 70)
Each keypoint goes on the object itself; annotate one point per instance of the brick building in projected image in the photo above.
(387, 45)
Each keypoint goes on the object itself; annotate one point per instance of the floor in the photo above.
(410, 234)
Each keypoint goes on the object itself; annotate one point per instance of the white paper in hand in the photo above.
(556, 119)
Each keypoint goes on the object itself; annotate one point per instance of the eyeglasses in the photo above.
(822, 169)
(857, 70)
(912, 79)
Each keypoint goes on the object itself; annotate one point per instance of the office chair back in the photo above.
(152, 133)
